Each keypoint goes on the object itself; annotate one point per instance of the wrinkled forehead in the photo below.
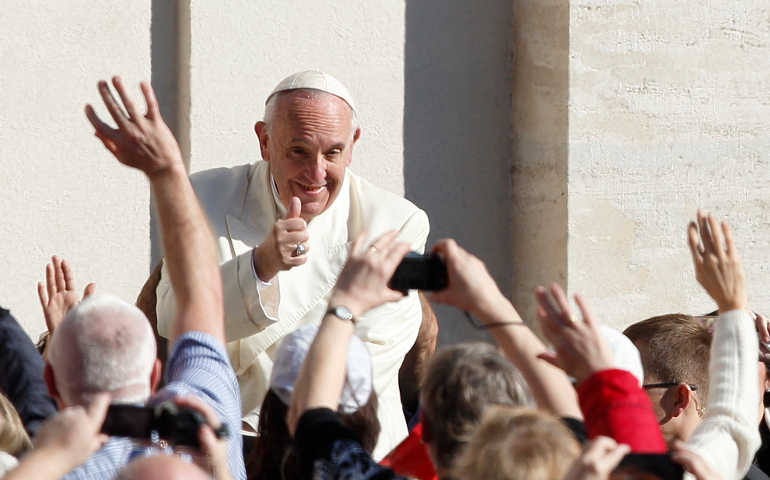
(304, 111)
(299, 100)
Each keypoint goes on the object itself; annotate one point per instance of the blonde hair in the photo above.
(13, 437)
(517, 443)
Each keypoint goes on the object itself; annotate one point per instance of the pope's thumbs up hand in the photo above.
(285, 247)
(295, 208)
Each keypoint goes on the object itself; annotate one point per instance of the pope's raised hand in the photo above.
(285, 247)
(140, 141)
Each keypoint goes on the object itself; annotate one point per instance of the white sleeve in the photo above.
(250, 305)
(728, 436)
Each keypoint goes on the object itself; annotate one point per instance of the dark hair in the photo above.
(674, 348)
(273, 458)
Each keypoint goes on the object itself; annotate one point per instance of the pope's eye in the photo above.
(297, 151)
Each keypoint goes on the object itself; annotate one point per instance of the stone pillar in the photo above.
(540, 148)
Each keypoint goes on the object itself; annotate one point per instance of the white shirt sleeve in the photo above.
(728, 436)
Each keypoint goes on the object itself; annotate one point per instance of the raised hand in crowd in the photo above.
(733, 391)
(286, 246)
(59, 295)
(64, 441)
(198, 362)
(472, 288)
(146, 143)
(141, 141)
(599, 458)
(214, 449)
(580, 349)
(717, 264)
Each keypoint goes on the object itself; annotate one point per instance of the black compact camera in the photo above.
(419, 272)
(174, 424)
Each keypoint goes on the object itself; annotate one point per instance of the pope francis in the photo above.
(284, 226)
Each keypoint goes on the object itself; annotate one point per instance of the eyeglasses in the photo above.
(648, 386)
(691, 386)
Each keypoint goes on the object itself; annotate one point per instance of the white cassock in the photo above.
(242, 207)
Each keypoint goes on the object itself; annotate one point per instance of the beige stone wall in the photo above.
(669, 109)
(61, 192)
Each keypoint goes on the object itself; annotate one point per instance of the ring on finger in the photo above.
(299, 250)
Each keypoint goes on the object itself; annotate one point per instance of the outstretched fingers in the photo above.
(61, 284)
(89, 290)
(705, 234)
(42, 295)
(693, 239)
(152, 103)
(544, 300)
(117, 82)
(563, 303)
(716, 236)
(69, 280)
(115, 110)
(588, 318)
(50, 281)
(729, 245)
(103, 131)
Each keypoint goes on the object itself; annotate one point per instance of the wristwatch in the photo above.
(342, 312)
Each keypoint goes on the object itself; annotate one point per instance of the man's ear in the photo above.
(682, 396)
(356, 136)
(155, 375)
(260, 128)
(50, 382)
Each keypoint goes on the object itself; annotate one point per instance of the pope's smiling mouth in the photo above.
(311, 189)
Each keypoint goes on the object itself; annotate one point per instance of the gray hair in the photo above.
(270, 106)
(103, 345)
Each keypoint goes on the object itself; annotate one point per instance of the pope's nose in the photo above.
(317, 171)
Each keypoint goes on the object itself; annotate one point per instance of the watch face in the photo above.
(342, 312)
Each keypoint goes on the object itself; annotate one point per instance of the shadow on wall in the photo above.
(168, 30)
(458, 133)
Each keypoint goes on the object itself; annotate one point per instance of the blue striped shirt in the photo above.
(197, 365)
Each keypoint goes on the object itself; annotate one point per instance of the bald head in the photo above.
(103, 345)
(162, 467)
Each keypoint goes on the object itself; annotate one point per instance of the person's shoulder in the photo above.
(222, 190)
(216, 178)
(378, 210)
(374, 199)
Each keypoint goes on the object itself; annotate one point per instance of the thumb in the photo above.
(295, 208)
(97, 407)
(89, 290)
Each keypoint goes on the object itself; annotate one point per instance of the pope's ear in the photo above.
(260, 128)
(356, 136)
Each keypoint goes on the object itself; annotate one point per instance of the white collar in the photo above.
(277, 198)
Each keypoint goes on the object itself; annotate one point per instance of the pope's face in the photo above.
(308, 144)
